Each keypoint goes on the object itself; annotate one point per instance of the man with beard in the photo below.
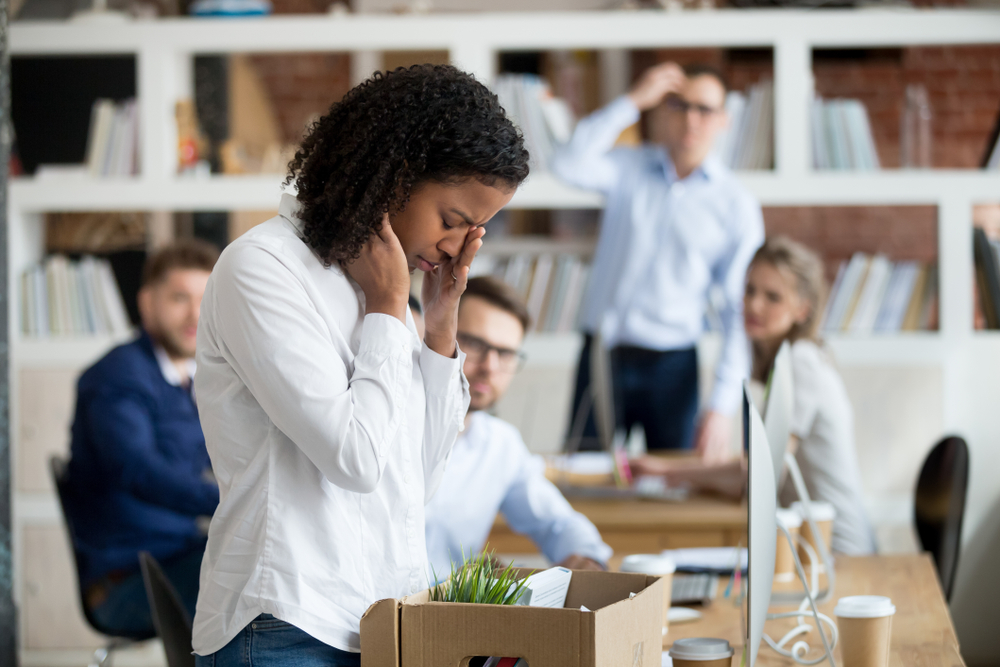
(139, 474)
(490, 469)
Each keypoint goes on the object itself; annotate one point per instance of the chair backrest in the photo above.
(59, 469)
(939, 505)
(170, 618)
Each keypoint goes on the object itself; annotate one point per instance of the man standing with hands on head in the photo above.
(490, 469)
(676, 223)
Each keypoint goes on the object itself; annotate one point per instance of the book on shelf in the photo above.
(113, 140)
(60, 297)
(748, 141)
(551, 284)
(874, 294)
(842, 135)
(545, 120)
(987, 261)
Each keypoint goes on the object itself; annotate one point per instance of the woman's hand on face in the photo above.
(383, 274)
(443, 287)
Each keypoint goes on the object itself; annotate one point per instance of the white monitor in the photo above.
(778, 411)
(762, 530)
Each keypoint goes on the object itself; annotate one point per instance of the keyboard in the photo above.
(694, 588)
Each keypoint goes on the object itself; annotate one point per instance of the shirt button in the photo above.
(253, 626)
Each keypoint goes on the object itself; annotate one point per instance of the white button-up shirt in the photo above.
(328, 432)
(663, 243)
(490, 471)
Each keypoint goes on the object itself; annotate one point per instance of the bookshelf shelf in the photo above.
(541, 191)
(62, 352)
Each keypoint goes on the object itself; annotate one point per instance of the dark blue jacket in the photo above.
(136, 476)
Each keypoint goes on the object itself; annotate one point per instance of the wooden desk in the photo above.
(646, 526)
(922, 631)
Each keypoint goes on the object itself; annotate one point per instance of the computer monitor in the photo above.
(762, 529)
(779, 407)
(602, 388)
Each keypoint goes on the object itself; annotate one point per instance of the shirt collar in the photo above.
(708, 170)
(289, 209)
(167, 368)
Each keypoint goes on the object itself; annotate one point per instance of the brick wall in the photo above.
(837, 232)
(963, 84)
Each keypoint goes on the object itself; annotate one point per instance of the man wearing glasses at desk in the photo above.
(676, 223)
(490, 469)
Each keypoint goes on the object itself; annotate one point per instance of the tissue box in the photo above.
(621, 629)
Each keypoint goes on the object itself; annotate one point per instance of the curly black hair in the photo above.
(389, 135)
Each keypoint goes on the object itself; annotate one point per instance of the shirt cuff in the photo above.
(726, 397)
(385, 336)
(623, 110)
(439, 371)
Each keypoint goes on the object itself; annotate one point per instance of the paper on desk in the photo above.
(666, 660)
(718, 560)
(585, 463)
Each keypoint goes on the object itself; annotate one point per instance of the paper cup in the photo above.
(823, 513)
(865, 626)
(784, 559)
(656, 565)
(701, 652)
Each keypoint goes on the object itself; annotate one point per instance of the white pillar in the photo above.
(793, 91)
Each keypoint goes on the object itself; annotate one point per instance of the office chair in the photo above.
(939, 505)
(102, 656)
(170, 618)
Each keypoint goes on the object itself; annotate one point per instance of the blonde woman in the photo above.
(783, 300)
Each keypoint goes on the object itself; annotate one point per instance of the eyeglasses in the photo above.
(677, 104)
(477, 350)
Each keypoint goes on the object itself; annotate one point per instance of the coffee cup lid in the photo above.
(864, 606)
(654, 564)
(789, 518)
(820, 510)
(701, 648)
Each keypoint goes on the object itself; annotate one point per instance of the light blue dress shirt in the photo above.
(491, 471)
(664, 242)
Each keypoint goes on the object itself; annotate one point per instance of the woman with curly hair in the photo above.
(327, 420)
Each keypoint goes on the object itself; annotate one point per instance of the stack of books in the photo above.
(873, 294)
(987, 258)
(748, 143)
(113, 141)
(66, 298)
(545, 120)
(842, 135)
(551, 284)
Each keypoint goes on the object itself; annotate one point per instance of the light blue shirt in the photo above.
(664, 242)
(491, 471)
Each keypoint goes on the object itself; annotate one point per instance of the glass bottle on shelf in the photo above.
(915, 129)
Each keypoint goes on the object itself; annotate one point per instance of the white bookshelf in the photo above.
(164, 50)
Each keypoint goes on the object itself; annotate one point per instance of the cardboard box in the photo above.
(618, 631)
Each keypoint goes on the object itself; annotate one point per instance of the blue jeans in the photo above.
(270, 642)
(656, 389)
(125, 607)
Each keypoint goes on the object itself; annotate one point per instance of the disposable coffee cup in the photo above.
(784, 558)
(864, 623)
(701, 652)
(823, 513)
(656, 565)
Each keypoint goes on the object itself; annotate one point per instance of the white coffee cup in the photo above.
(656, 565)
(701, 652)
(823, 513)
(784, 558)
(864, 623)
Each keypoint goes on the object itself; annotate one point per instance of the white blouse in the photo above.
(328, 431)
(824, 421)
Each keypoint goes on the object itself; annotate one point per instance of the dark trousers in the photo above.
(658, 390)
(123, 604)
